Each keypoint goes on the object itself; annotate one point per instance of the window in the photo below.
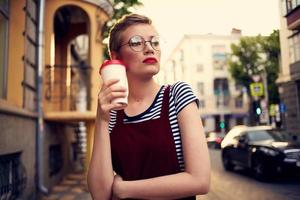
(298, 97)
(201, 103)
(238, 102)
(12, 176)
(294, 47)
(200, 88)
(199, 67)
(3, 46)
(219, 57)
(291, 5)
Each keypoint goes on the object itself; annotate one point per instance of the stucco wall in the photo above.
(18, 135)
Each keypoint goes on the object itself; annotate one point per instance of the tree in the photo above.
(271, 46)
(121, 7)
(251, 56)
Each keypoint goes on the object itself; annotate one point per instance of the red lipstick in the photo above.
(150, 60)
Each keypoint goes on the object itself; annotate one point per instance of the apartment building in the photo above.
(50, 52)
(201, 61)
(289, 76)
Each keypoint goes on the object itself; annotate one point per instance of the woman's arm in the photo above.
(100, 174)
(196, 177)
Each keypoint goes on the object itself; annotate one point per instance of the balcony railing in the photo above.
(67, 87)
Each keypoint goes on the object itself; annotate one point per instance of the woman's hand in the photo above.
(109, 92)
(116, 188)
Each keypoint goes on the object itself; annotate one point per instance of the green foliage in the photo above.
(251, 56)
(121, 7)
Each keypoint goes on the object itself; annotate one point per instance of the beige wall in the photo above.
(15, 53)
(284, 74)
(18, 135)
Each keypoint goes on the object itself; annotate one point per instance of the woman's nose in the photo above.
(148, 47)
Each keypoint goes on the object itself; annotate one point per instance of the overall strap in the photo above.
(165, 103)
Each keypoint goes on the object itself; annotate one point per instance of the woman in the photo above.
(156, 145)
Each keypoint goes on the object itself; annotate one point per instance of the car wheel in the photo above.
(227, 164)
(259, 170)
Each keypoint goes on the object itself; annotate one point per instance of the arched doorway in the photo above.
(70, 72)
(68, 75)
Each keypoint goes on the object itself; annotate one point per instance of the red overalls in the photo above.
(145, 149)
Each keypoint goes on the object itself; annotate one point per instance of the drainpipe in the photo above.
(40, 121)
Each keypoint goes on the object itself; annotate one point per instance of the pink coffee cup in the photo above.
(115, 69)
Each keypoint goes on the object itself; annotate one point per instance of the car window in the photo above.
(281, 135)
(259, 135)
(274, 135)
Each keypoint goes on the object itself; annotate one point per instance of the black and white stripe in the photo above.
(181, 95)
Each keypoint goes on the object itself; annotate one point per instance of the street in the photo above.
(239, 185)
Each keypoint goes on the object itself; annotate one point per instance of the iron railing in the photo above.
(12, 176)
(67, 87)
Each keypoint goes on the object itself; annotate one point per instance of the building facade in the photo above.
(289, 77)
(201, 61)
(50, 52)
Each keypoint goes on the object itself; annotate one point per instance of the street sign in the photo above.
(257, 89)
(272, 110)
(282, 108)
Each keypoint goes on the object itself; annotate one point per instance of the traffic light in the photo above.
(257, 108)
(258, 111)
(222, 125)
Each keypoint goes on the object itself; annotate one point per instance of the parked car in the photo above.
(264, 150)
(214, 139)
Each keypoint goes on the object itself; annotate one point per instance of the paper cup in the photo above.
(115, 69)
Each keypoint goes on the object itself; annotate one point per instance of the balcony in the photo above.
(67, 93)
(293, 14)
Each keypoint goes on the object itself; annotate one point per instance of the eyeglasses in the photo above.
(138, 43)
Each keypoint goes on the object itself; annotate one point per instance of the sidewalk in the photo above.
(73, 187)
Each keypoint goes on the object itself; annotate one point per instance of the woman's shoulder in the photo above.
(181, 93)
(179, 87)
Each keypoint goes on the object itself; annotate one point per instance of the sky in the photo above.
(175, 18)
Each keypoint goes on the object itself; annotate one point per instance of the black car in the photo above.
(264, 150)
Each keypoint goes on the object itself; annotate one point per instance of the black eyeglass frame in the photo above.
(143, 41)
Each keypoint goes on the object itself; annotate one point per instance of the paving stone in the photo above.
(70, 182)
(51, 197)
(76, 176)
(73, 187)
(68, 197)
(77, 190)
(60, 188)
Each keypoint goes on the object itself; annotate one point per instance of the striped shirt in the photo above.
(181, 95)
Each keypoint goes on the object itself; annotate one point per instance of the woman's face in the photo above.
(139, 56)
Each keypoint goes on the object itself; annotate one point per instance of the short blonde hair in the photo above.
(121, 25)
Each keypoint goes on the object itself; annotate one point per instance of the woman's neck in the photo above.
(140, 91)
